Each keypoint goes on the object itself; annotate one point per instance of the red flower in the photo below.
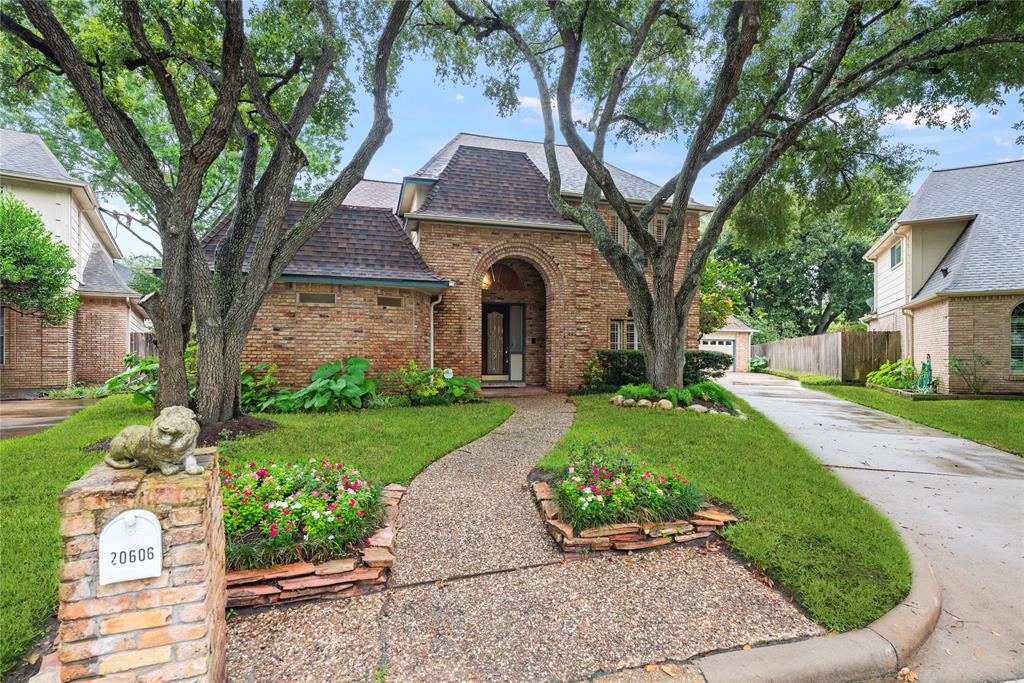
(273, 532)
(360, 513)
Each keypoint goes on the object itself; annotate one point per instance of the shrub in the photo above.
(289, 513)
(602, 485)
(820, 380)
(592, 378)
(337, 385)
(627, 367)
(257, 386)
(139, 380)
(639, 391)
(759, 363)
(428, 386)
(679, 397)
(710, 393)
(898, 375)
(970, 371)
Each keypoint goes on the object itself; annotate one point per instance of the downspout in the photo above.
(433, 304)
(909, 315)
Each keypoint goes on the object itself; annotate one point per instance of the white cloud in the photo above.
(580, 111)
(1002, 142)
(948, 115)
(459, 97)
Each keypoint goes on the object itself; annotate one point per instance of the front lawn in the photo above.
(841, 558)
(994, 422)
(34, 470)
(388, 445)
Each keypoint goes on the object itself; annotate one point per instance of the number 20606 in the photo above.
(130, 556)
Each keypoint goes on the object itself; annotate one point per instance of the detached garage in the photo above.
(734, 339)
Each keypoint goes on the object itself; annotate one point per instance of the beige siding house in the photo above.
(732, 338)
(91, 345)
(949, 275)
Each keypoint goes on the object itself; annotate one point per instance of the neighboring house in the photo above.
(465, 265)
(949, 274)
(90, 346)
(732, 338)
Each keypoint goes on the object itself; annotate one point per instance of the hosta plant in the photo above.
(279, 513)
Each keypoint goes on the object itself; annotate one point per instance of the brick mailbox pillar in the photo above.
(166, 628)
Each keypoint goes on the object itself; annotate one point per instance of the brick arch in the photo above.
(557, 352)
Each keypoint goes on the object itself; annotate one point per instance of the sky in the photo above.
(428, 113)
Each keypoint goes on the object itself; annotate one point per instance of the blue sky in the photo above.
(427, 114)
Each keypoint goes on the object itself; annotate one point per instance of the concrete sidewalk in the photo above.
(24, 417)
(961, 502)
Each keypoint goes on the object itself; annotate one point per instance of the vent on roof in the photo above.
(389, 301)
(316, 297)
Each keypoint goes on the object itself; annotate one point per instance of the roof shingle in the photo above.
(101, 277)
(492, 184)
(355, 243)
(375, 193)
(26, 153)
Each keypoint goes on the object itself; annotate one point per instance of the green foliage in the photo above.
(969, 371)
(336, 385)
(592, 378)
(805, 378)
(758, 363)
(897, 375)
(139, 380)
(679, 397)
(257, 386)
(639, 391)
(628, 367)
(839, 557)
(603, 485)
(431, 386)
(722, 287)
(78, 390)
(711, 393)
(143, 280)
(704, 365)
(35, 268)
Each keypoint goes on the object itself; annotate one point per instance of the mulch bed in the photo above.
(212, 434)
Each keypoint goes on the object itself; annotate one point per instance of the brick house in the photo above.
(89, 347)
(949, 275)
(465, 264)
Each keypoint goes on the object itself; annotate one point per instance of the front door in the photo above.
(503, 342)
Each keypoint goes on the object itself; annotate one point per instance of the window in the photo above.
(658, 226)
(622, 335)
(389, 301)
(316, 297)
(618, 230)
(1017, 340)
(896, 255)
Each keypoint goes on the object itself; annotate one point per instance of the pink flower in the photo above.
(245, 500)
(273, 532)
(351, 502)
(359, 513)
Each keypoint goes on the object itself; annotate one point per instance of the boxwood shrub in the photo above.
(627, 367)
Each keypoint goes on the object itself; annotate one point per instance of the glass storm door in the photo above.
(504, 342)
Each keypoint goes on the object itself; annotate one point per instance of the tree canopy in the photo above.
(36, 270)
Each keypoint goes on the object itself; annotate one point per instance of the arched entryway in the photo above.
(513, 323)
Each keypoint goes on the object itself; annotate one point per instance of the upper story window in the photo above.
(658, 225)
(1017, 340)
(896, 255)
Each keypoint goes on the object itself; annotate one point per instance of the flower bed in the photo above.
(301, 530)
(603, 501)
(703, 397)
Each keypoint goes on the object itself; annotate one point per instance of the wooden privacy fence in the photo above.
(143, 344)
(849, 355)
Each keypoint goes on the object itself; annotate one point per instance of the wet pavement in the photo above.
(24, 417)
(961, 502)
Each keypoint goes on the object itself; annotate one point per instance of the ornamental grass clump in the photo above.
(603, 485)
(314, 511)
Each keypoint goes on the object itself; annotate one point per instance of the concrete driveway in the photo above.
(24, 417)
(961, 502)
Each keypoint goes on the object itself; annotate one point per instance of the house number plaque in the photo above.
(130, 547)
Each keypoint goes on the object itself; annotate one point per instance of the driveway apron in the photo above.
(961, 502)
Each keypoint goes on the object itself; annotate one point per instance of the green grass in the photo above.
(805, 378)
(993, 422)
(389, 445)
(837, 555)
(35, 469)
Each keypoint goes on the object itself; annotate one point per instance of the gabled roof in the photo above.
(491, 184)
(27, 154)
(354, 243)
(374, 193)
(989, 254)
(101, 277)
(734, 324)
(574, 177)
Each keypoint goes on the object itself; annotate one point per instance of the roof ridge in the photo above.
(981, 165)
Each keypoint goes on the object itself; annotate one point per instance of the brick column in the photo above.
(165, 628)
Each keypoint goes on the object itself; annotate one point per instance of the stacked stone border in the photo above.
(166, 628)
(366, 571)
(700, 529)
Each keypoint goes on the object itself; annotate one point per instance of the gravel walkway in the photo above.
(470, 511)
(519, 614)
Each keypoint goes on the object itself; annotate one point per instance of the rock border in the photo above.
(367, 571)
(702, 528)
(620, 401)
(878, 650)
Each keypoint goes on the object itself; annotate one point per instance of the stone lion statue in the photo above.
(166, 445)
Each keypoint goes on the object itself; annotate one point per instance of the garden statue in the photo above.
(167, 444)
(924, 382)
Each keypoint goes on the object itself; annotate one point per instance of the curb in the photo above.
(881, 648)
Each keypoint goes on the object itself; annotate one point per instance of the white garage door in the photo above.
(722, 346)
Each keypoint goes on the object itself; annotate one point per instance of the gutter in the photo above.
(368, 282)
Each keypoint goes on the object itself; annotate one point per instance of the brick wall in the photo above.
(36, 356)
(582, 294)
(101, 340)
(166, 628)
(931, 336)
(982, 324)
(301, 337)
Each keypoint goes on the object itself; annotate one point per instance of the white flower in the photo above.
(316, 515)
(330, 519)
(571, 469)
(330, 537)
(306, 537)
(660, 492)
